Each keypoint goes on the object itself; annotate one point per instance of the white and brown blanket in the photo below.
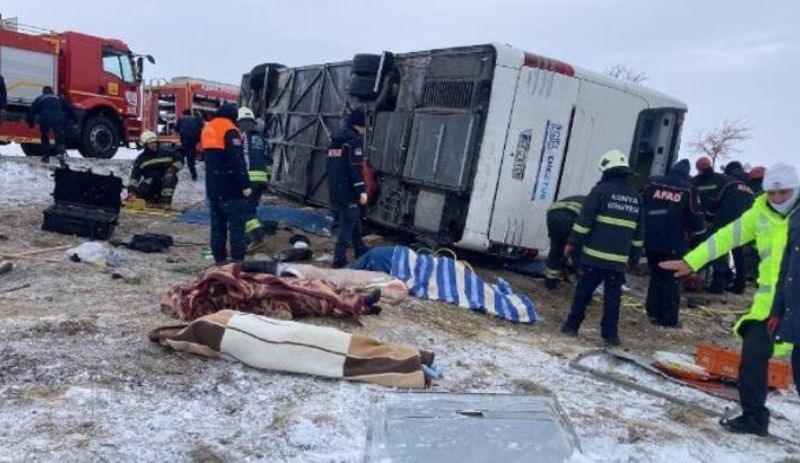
(288, 346)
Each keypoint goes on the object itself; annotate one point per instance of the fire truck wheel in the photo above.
(31, 149)
(100, 138)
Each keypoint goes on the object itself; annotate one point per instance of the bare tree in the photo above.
(721, 142)
(625, 72)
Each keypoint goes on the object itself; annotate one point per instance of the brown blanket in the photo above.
(288, 346)
(227, 287)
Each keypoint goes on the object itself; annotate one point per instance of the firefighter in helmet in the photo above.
(155, 173)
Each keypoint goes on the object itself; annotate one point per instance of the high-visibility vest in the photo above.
(770, 231)
(213, 135)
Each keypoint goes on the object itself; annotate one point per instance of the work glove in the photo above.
(772, 325)
(247, 192)
(569, 249)
(171, 170)
(362, 199)
(131, 196)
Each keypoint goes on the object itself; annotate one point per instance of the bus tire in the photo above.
(366, 65)
(362, 87)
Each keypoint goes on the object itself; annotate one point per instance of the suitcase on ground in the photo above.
(86, 204)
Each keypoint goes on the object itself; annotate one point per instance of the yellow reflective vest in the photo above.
(769, 230)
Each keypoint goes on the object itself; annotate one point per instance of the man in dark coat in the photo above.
(53, 114)
(672, 215)
(560, 218)
(189, 128)
(735, 198)
(3, 95)
(227, 184)
(608, 235)
(784, 321)
(346, 187)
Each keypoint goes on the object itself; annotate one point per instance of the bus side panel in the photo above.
(487, 174)
(605, 119)
(537, 137)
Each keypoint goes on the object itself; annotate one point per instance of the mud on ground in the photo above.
(79, 380)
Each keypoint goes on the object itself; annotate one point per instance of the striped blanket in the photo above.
(282, 345)
(443, 279)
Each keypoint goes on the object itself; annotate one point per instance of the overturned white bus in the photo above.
(470, 145)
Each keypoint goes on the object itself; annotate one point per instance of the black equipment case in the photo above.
(86, 204)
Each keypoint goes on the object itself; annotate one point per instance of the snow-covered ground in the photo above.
(79, 380)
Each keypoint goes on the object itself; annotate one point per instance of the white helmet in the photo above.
(611, 159)
(148, 137)
(246, 113)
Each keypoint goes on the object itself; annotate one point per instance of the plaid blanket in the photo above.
(227, 287)
(287, 346)
(443, 279)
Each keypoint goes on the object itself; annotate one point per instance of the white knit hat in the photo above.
(781, 176)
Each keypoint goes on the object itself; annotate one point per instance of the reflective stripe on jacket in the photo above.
(769, 230)
(609, 227)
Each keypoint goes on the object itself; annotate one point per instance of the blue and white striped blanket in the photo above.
(443, 279)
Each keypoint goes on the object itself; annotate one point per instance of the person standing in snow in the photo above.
(672, 215)
(766, 223)
(561, 217)
(608, 236)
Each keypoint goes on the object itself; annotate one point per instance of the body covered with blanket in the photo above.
(229, 287)
(444, 279)
(287, 346)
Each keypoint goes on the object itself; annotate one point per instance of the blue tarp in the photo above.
(307, 220)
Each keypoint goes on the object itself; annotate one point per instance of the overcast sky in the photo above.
(727, 59)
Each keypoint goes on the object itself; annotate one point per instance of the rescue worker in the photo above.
(755, 180)
(259, 165)
(766, 223)
(227, 185)
(346, 188)
(784, 320)
(189, 128)
(735, 198)
(608, 236)
(53, 114)
(154, 175)
(709, 185)
(672, 214)
(561, 217)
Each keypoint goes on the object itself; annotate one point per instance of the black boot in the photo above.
(550, 283)
(743, 424)
(612, 341)
(569, 330)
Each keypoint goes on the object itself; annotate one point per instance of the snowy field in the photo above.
(80, 381)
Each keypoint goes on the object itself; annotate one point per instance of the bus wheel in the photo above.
(31, 149)
(100, 138)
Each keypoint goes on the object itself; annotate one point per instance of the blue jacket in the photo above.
(50, 110)
(189, 128)
(345, 174)
(786, 304)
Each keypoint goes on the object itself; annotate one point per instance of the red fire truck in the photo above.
(101, 78)
(165, 101)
